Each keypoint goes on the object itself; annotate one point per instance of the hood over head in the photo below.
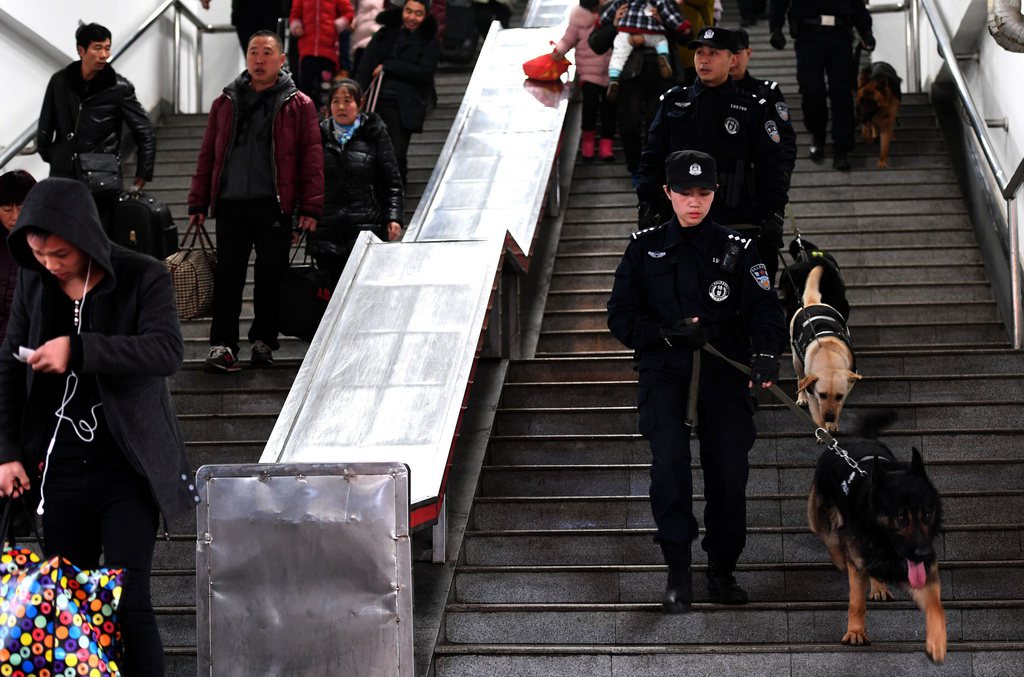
(62, 207)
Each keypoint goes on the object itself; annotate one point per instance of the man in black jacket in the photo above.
(86, 420)
(83, 110)
(822, 30)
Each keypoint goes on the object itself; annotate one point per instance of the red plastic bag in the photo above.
(546, 67)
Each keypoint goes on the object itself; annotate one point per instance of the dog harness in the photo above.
(814, 322)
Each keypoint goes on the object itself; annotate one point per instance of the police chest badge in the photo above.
(719, 290)
(773, 130)
(783, 110)
(732, 125)
(760, 274)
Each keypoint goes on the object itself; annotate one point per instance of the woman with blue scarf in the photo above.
(362, 183)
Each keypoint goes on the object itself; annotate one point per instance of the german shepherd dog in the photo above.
(878, 104)
(815, 299)
(879, 527)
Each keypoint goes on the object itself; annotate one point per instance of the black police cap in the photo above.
(689, 169)
(742, 38)
(716, 37)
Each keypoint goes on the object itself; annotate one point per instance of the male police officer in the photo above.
(821, 29)
(713, 116)
(770, 91)
(680, 284)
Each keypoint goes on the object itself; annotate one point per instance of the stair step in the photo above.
(985, 505)
(860, 296)
(779, 447)
(762, 622)
(966, 273)
(909, 389)
(633, 479)
(768, 418)
(638, 584)
(899, 659)
(764, 545)
(932, 334)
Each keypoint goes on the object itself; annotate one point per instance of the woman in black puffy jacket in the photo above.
(362, 184)
(405, 51)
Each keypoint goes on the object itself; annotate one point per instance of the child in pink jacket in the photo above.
(317, 23)
(592, 71)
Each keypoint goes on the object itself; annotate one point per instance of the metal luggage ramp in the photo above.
(386, 377)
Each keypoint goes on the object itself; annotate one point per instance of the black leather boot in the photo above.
(679, 592)
(722, 585)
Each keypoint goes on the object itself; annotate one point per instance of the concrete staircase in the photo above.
(228, 418)
(558, 573)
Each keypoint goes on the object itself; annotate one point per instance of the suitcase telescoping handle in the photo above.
(373, 92)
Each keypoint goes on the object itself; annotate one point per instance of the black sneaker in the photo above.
(221, 360)
(840, 162)
(262, 355)
(817, 151)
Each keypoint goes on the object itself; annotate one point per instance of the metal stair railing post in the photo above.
(180, 10)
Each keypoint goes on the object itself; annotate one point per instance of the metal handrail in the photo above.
(1008, 188)
(26, 137)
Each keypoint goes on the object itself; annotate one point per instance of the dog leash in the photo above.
(823, 436)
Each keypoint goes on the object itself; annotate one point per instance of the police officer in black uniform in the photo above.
(768, 90)
(715, 117)
(822, 31)
(681, 284)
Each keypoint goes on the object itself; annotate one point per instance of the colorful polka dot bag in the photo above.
(56, 619)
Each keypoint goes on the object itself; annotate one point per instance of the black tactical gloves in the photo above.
(777, 40)
(764, 368)
(686, 334)
(772, 227)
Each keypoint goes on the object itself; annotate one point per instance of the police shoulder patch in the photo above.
(773, 131)
(760, 275)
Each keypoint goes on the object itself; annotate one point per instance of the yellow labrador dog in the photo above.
(822, 354)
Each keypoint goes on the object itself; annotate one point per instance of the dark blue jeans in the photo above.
(104, 506)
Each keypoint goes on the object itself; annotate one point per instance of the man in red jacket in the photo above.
(260, 166)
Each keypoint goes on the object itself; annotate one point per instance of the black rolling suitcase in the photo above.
(144, 224)
(460, 36)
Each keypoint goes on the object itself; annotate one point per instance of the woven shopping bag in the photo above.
(192, 272)
(56, 619)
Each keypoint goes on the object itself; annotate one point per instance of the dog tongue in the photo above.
(916, 574)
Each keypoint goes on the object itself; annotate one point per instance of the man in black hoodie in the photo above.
(86, 421)
(83, 109)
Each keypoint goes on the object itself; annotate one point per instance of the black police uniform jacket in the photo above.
(665, 276)
(80, 117)
(806, 12)
(362, 185)
(778, 110)
(733, 127)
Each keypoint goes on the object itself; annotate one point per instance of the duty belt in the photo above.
(825, 21)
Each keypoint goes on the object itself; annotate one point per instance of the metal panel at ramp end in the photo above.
(304, 569)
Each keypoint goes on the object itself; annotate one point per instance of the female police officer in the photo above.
(679, 285)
